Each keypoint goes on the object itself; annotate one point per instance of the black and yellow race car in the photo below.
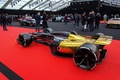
(87, 51)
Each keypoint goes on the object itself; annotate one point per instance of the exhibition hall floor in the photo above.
(69, 26)
(37, 63)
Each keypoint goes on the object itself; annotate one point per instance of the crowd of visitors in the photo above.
(89, 21)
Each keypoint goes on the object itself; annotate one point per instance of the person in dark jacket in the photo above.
(97, 20)
(4, 22)
(88, 19)
(45, 25)
(77, 19)
(65, 18)
(10, 20)
(83, 19)
(37, 19)
(91, 19)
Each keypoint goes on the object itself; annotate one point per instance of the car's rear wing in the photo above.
(103, 40)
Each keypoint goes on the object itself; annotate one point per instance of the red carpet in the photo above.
(3, 77)
(37, 63)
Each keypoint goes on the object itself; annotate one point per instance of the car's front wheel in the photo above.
(21, 24)
(86, 56)
(31, 24)
(62, 20)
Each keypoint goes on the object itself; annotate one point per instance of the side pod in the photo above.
(54, 51)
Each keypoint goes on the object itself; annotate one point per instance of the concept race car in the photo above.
(87, 51)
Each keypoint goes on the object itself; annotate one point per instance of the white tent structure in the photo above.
(46, 5)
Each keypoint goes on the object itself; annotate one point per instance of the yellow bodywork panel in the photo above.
(75, 41)
(70, 44)
(103, 40)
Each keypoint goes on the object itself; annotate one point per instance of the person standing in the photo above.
(9, 20)
(4, 22)
(105, 18)
(97, 20)
(65, 18)
(37, 19)
(77, 19)
(88, 20)
(92, 19)
(45, 25)
(83, 20)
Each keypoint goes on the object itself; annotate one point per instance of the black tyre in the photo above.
(86, 56)
(21, 24)
(52, 20)
(97, 35)
(107, 26)
(62, 20)
(24, 39)
(48, 30)
(31, 24)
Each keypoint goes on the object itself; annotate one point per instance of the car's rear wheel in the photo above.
(97, 35)
(24, 39)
